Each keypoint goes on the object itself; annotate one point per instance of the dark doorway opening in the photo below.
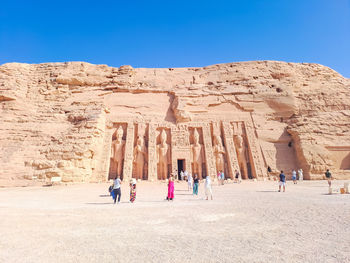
(180, 167)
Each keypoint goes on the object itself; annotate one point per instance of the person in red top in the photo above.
(171, 188)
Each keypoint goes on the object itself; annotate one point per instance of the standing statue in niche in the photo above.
(242, 155)
(197, 155)
(118, 147)
(163, 156)
(140, 157)
(219, 152)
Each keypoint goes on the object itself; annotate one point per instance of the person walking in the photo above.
(132, 190)
(207, 188)
(189, 182)
(329, 177)
(182, 175)
(300, 174)
(116, 189)
(219, 177)
(282, 182)
(195, 185)
(294, 176)
(171, 189)
(237, 177)
(222, 177)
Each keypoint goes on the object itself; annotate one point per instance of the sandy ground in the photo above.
(247, 222)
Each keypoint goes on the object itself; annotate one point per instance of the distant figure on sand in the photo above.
(189, 182)
(222, 177)
(300, 174)
(171, 189)
(132, 190)
(195, 184)
(237, 177)
(329, 177)
(219, 177)
(116, 189)
(207, 188)
(282, 182)
(294, 176)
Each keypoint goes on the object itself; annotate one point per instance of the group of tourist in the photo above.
(115, 190)
(282, 178)
(221, 177)
(193, 184)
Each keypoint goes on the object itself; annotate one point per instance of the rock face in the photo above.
(88, 123)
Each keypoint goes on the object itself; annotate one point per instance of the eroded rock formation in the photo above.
(61, 119)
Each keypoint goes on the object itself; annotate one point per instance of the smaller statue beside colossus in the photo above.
(140, 157)
(219, 153)
(197, 155)
(118, 147)
(163, 156)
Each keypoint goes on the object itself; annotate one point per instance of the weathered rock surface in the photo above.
(55, 117)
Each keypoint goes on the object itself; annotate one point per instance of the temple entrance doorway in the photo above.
(180, 167)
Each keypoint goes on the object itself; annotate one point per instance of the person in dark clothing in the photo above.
(282, 182)
(329, 177)
(116, 189)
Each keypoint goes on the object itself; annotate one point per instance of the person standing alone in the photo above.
(329, 177)
(195, 184)
(116, 189)
(282, 182)
(207, 188)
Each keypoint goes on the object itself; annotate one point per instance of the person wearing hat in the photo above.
(132, 190)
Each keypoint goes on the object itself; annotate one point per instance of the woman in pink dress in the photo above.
(171, 189)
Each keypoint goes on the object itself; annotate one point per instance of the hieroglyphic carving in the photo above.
(180, 147)
(208, 150)
(152, 152)
(257, 163)
(232, 160)
(129, 147)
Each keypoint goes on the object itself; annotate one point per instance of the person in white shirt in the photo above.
(116, 189)
(189, 182)
(207, 188)
(300, 174)
(182, 175)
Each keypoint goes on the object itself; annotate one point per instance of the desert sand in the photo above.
(247, 222)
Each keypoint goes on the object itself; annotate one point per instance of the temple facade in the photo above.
(153, 151)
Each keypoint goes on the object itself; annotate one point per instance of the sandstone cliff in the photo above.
(54, 116)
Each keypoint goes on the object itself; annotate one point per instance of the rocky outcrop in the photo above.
(54, 117)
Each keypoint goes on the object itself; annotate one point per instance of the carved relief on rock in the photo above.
(197, 154)
(117, 152)
(163, 155)
(242, 149)
(219, 153)
(140, 154)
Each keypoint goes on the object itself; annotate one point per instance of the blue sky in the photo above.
(176, 33)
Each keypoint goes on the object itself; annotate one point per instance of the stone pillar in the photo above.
(106, 155)
(231, 154)
(257, 162)
(152, 152)
(208, 149)
(129, 148)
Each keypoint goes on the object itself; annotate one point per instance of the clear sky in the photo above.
(176, 33)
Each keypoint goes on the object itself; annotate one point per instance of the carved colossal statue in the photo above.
(118, 147)
(140, 157)
(197, 155)
(163, 156)
(219, 152)
(242, 155)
